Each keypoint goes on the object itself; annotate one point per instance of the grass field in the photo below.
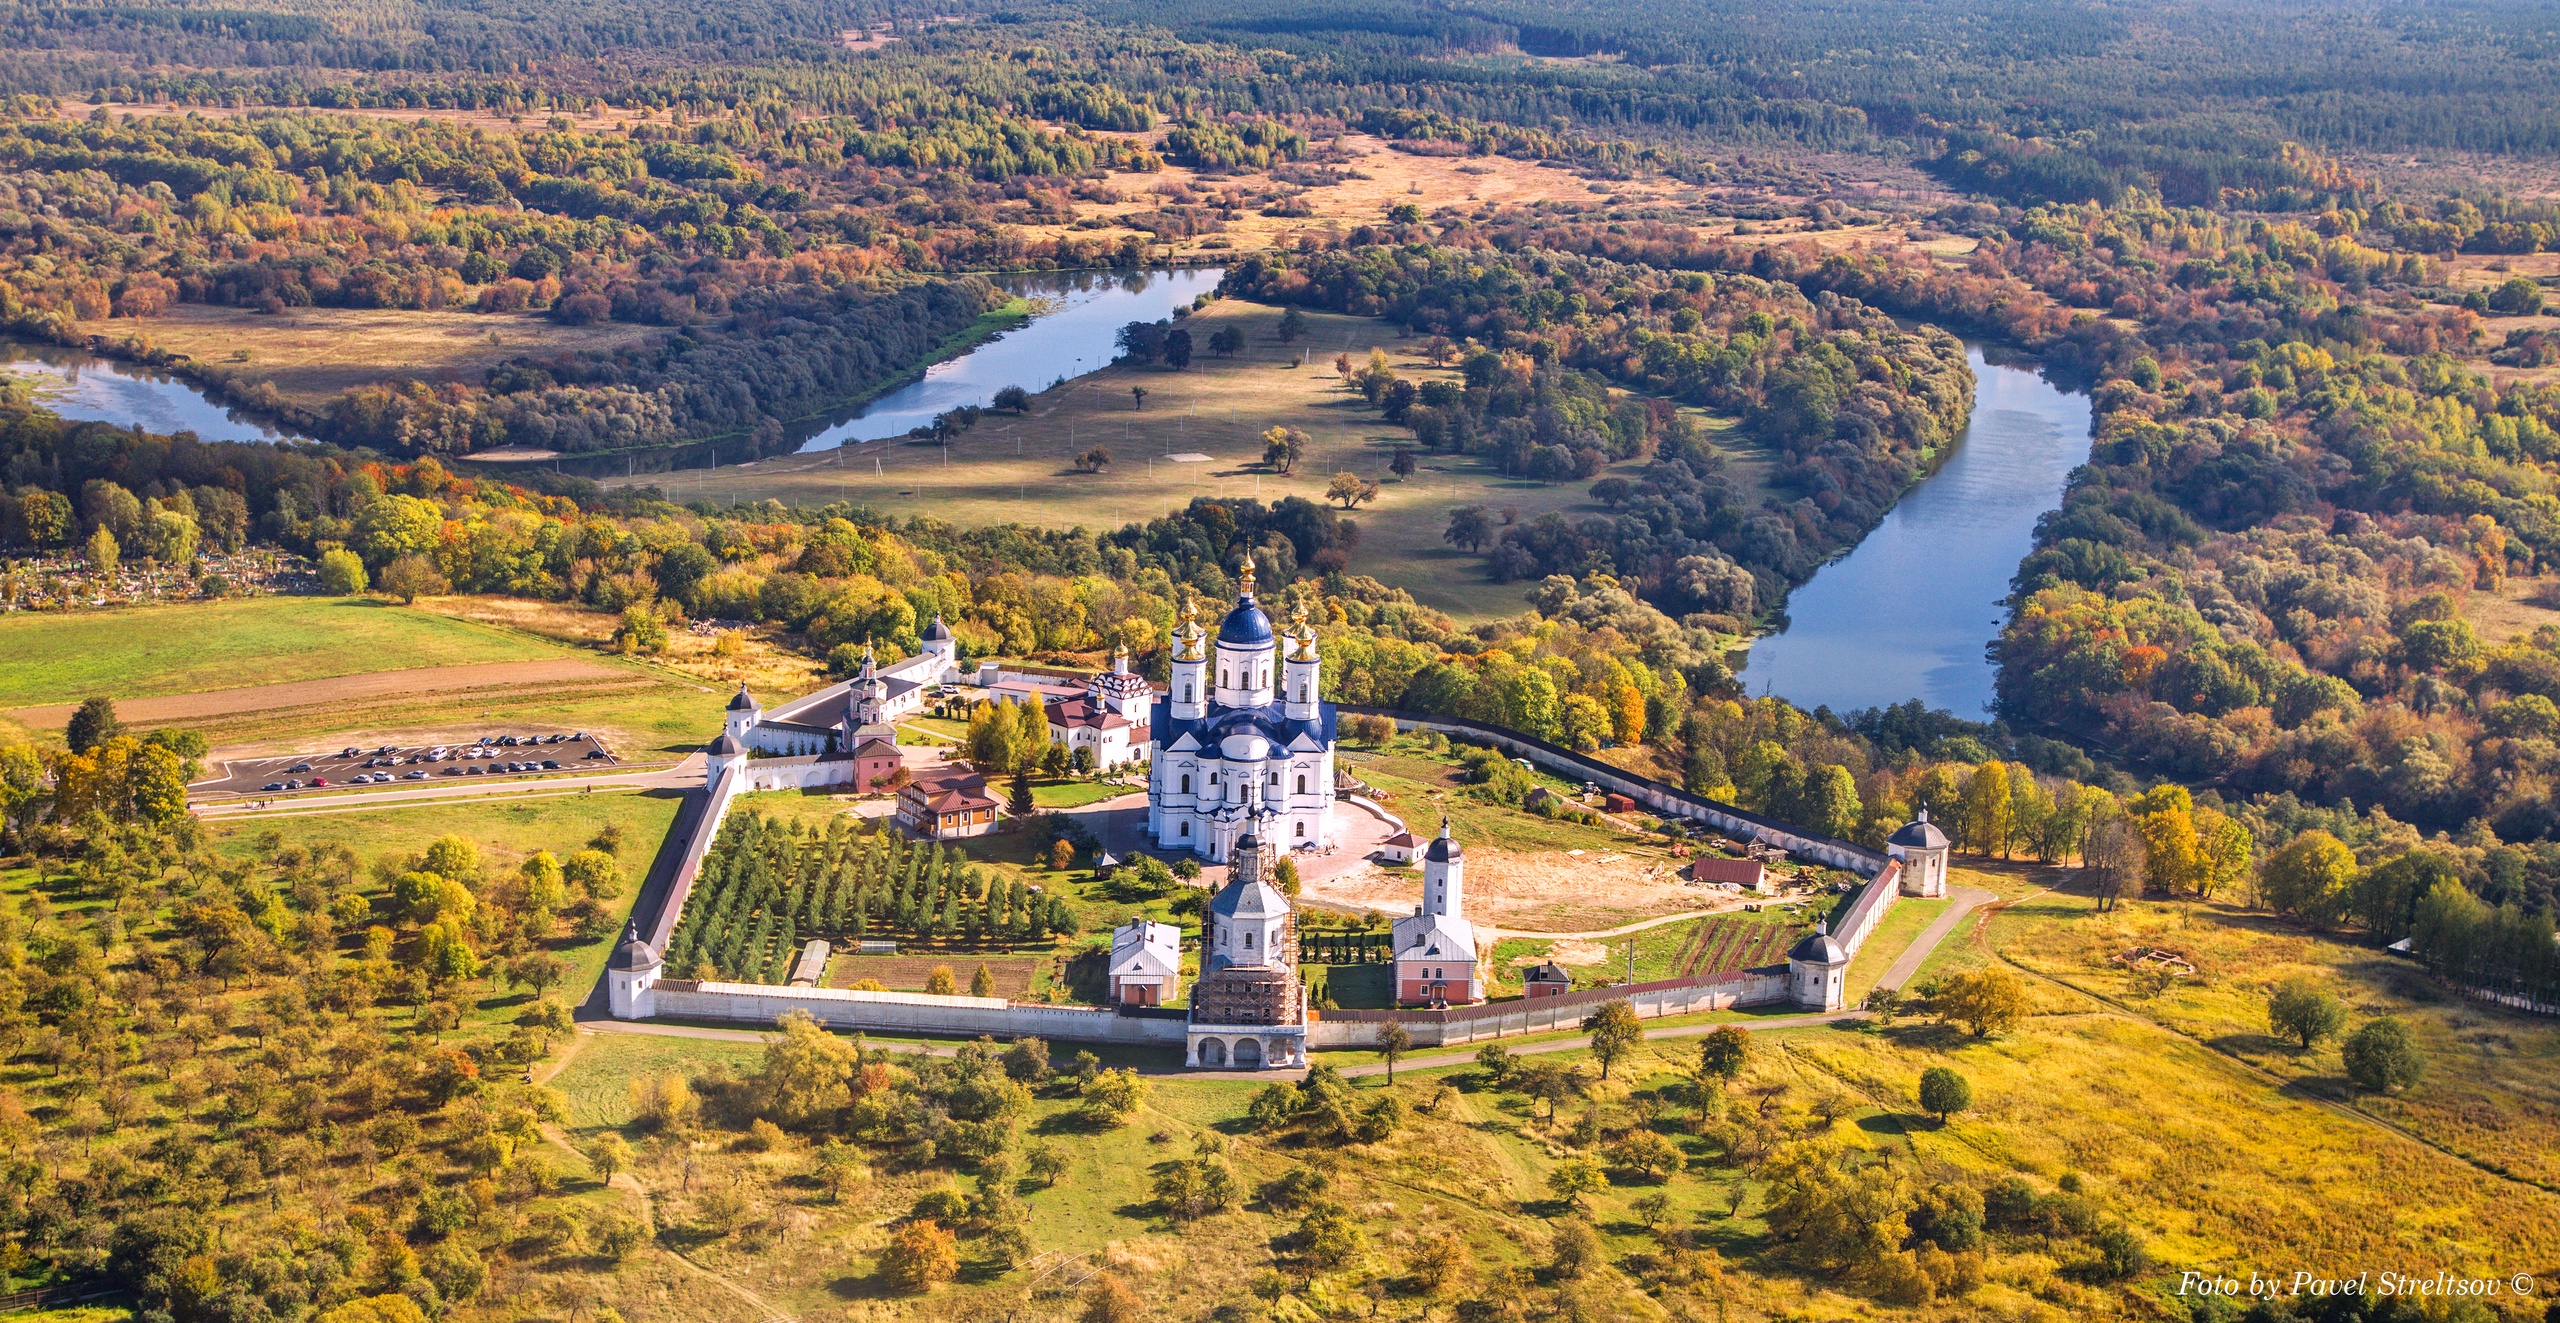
(259, 670)
(188, 649)
(1010, 469)
(313, 354)
(1893, 935)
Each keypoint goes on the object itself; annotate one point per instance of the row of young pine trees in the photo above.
(767, 886)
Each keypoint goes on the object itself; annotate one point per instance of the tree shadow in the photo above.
(2254, 1044)
(1929, 1037)
(869, 1286)
(686, 1239)
(1888, 1123)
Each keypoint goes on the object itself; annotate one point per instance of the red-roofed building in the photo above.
(950, 803)
(1749, 874)
(1109, 717)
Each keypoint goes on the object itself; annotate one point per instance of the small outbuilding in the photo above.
(1749, 874)
(1146, 963)
(810, 968)
(1547, 980)
(1400, 848)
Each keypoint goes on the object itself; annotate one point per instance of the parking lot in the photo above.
(514, 753)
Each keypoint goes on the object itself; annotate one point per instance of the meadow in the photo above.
(1024, 469)
(144, 651)
(2212, 1162)
(323, 669)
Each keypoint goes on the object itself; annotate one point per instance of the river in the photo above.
(1076, 315)
(1907, 613)
(1911, 611)
(1071, 334)
(86, 388)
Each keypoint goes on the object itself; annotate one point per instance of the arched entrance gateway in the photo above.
(1213, 1052)
(1248, 1054)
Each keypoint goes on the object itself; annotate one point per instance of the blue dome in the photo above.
(1246, 625)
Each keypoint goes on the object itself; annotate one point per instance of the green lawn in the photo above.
(1900, 927)
(144, 651)
(1074, 794)
(1420, 783)
(597, 1081)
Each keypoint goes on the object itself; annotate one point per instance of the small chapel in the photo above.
(1435, 946)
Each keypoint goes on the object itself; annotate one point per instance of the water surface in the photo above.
(86, 388)
(1910, 612)
(1071, 334)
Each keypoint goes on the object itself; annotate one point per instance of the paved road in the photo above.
(1908, 964)
(681, 775)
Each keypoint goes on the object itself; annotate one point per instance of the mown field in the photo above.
(201, 646)
(256, 673)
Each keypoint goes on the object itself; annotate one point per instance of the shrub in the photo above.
(341, 573)
(920, 1256)
(2383, 1056)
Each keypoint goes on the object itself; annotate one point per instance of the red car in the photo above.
(319, 781)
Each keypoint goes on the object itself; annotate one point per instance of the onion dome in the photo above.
(1445, 849)
(1820, 947)
(1919, 834)
(633, 955)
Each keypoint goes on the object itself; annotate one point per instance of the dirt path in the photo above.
(1604, 934)
(339, 689)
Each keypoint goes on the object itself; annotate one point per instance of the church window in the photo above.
(1222, 678)
(1248, 939)
(1302, 783)
(1186, 831)
(1302, 829)
(1186, 783)
(1302, 691)
(1186, 693)
(1275, 779)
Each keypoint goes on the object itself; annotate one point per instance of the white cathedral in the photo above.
(1242, 742)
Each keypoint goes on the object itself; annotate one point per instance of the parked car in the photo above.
(453, 771)
(319, 781)
(293, 785)
(272, 785)
(551, 764)
(299, 767)
(415, 776)
(596, 753)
